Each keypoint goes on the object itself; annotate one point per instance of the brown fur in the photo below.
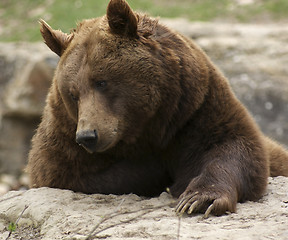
(161, 113)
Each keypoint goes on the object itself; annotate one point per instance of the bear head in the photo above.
(117, 81)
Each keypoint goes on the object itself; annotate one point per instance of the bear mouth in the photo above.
(95, 148)
(88, 149)
(89, 140)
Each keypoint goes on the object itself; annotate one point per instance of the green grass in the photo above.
(18, 19)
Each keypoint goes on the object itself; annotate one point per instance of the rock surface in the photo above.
(62, 214)
(26, 73)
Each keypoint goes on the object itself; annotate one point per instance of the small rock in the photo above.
(4, 188)
(9, 180)
(24, 180)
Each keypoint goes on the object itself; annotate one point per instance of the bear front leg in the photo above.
(206, 196)
(228, 174)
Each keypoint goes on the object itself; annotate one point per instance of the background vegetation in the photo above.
(18, 19)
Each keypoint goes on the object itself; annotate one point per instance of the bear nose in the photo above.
(87, 139)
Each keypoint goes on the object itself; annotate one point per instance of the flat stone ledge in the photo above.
(63, 214)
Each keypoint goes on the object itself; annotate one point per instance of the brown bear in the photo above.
(135, 107)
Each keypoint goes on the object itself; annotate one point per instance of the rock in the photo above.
(4, 188)
(10, 180)
(28, 70)
(24, 180)
(62, 214)
(15, 136)
(26, 73)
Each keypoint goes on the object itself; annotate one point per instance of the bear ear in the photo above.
(56, 40)
(121, 18)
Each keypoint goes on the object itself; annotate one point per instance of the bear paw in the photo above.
(205, 202)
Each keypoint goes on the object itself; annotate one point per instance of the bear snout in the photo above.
(87, 139)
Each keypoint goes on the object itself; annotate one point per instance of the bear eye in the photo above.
(74, 98)
(101, 85)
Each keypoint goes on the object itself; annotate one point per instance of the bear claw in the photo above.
(208, 211)
(192, 206)
(183, 204)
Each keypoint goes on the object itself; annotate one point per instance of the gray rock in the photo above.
(26, 73)
(28, 70)
(62, 214)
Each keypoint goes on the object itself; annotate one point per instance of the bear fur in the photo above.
(135, 107)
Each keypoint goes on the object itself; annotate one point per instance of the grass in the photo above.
(18, 19)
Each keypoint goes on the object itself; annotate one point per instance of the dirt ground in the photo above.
(62, 214)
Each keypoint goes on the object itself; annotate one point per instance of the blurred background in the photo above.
(246, 39)
(18, 19)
